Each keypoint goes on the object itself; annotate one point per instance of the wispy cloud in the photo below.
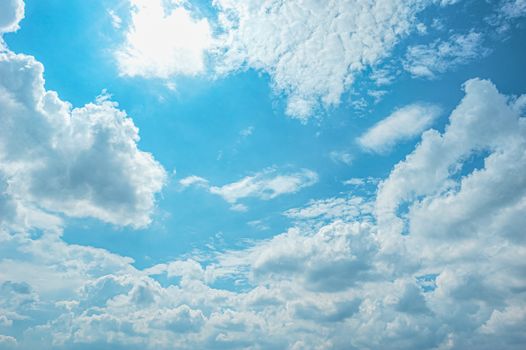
(193, 181)
(426, 61)
(403, 124)
(264, 185)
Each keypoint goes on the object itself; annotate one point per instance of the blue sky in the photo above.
(262, 175)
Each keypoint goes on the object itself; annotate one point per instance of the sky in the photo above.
(227, 174)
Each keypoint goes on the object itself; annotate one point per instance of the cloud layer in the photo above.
(350, 273)
(434, 259)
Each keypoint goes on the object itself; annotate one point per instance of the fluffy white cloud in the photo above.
(483, 122)
(332, 281)
(403, 124)
(77, 161)
(56, 159)
(426, 61)
(162, 40)
(11, 13)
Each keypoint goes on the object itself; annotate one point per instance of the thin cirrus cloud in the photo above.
(403, 124)
(264, 185)
(312, 52)
(429, 60)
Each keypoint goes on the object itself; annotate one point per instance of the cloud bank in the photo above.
(350, 273)
(435, 259)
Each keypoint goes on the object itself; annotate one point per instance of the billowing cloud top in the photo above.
(82, 162)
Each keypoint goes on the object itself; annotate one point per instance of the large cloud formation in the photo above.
(58, 159)
(447, 274)
(434, 260)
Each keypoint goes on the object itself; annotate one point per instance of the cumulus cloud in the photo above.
(162, 40)
(426, 61)
(403, 124)
(455, 280)
(78, 161)
(483, 122)
(56, 159)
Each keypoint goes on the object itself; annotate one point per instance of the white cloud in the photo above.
(77, 161)
(56, 159)
(247, 132)
(11, 13)
(507, 13)
(335, 208)
(265, 185)
(513, 8)
(116, 21)
(193, 180)
(455, 281)
(357, 181)
(330, 281)
(341, 157)
(483, 122)
(312, 52)
(403, 124)
(426, 61)
(163, 39)
(7, 341)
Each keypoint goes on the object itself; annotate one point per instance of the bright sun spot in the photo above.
(179, 46)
